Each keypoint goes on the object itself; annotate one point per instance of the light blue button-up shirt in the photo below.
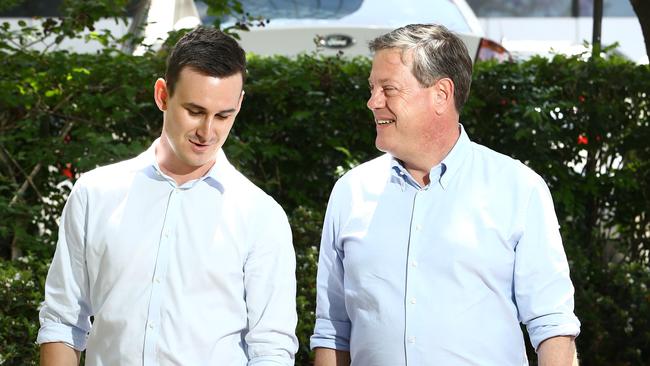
(444, 274)
(198, 274)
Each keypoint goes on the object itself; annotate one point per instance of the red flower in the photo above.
(581, 98)
(583, 140)
(67, 171)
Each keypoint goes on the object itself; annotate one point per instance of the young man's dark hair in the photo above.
(208, 51)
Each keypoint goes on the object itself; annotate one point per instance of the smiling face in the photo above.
(196, 121)
(402, 108)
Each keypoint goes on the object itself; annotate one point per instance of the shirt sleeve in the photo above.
(270, 285)
(65, 313)
(543, 288)
(332, 328)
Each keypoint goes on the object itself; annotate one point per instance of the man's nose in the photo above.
(377, 100)
(204, 130)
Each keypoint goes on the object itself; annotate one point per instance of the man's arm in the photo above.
(543, 288)
(65, 313)
(331, 338)
(331, 357)
(270, 285)
(558, 351)
(59, 354)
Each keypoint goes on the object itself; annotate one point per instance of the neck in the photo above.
(179, 172)
(438, 145)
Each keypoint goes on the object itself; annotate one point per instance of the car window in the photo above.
(291, 9)
(365, 13)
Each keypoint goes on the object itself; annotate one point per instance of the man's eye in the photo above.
(389, 90)
(193, 113)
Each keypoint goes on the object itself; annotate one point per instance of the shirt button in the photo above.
(411, 339)
(418, 227)
(157, 279)
(151, 326)
(414, 263)
(413, 301)
(166, 234)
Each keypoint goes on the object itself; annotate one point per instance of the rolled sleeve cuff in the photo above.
(56, 332)
(271, 361)
(543, 328)
(331, 334)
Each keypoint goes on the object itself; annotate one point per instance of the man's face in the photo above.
(403, 110)
(197, 119)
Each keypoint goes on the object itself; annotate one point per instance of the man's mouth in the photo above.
(198, 144)
(384, 121)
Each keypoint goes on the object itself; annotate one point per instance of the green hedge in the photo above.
(303, 123)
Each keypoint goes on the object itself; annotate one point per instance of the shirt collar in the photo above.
(217, 177)
(443, 172)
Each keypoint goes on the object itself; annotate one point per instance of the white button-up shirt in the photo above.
(442, 274)
(198, 274)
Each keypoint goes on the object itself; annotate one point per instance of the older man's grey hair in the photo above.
(437, 53)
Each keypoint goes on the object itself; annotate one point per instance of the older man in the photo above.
(433, 253)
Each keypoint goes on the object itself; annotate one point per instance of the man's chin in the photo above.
(382, 146)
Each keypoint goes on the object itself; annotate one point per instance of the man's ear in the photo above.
(443, 94)
(160, 94)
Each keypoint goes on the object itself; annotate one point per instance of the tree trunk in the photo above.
(642, 10)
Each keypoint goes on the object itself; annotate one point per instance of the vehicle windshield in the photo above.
(292, 9)
(354, 13)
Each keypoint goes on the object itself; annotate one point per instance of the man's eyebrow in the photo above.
(193, 106)
(381, 80)
(226, 111)
(200, 108)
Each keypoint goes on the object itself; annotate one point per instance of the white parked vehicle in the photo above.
(346, 26)
(296, 26)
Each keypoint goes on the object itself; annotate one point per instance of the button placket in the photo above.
(157, 290)
(411, 280)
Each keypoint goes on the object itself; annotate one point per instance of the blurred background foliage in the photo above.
(582, 125)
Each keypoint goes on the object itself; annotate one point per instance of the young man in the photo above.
(178, 257)
(433, 253)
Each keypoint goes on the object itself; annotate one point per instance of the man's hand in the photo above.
(331, 357)
(558, 351)
(59, 354)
